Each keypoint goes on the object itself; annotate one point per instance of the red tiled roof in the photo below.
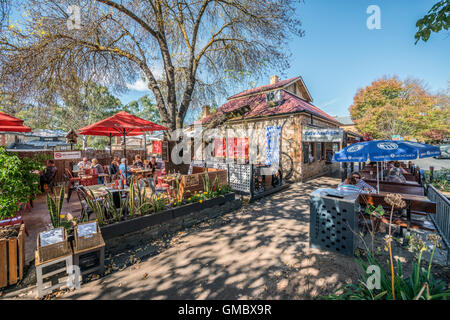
(266, 87)
(259, 107)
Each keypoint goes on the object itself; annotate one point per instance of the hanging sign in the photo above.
(67, 155)
(241, 151)
(165, 151)
(157, 147)
(273, 135)
(220, 148)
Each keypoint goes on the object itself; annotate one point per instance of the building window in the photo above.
(311, 157)
(305, 152)
(319, 151)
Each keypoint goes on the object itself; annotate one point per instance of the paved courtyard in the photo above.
(260, 251)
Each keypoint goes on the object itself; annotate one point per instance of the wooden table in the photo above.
(100, 190)
(414, 204)
(143, 172)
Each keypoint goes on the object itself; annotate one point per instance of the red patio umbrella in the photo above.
(121, 124)
(12, 124)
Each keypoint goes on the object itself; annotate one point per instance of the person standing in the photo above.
(153, 165)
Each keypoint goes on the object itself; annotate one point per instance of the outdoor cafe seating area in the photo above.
(411, 191)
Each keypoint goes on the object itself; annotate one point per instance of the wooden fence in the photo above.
(442, 219)
(102, 156)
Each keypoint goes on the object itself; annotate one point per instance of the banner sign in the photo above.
(67, 155)
(220, 148)
(322, 135)
(157, 147)
(241, 151)
(273, 135)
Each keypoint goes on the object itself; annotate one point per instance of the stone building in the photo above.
(307, 135)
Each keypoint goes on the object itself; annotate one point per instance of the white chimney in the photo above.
(274, 79)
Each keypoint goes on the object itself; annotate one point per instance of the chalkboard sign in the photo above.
(165, 151)
(329, 156)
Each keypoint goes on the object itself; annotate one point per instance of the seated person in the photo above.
(124, 169)
(396, 174)
(364, 186)
(349, 186)
(85, 164)
(115, 165)
(48, 175)
(98, 170)
(138, 162)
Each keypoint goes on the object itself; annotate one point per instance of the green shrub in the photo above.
(17, 182)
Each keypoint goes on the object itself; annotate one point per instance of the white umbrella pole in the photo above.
(378, 180)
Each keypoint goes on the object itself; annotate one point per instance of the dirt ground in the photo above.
(260, 251)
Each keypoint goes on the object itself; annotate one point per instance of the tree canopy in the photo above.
(390, 106)
(437, 19)
(184, 49)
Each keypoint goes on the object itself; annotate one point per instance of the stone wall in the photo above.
(291, 142)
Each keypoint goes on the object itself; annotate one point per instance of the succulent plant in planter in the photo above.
(54, 205)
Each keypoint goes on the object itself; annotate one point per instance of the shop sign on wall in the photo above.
(323, 135)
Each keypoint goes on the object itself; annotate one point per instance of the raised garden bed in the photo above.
(117, 229)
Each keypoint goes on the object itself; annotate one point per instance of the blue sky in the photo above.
(339, 54)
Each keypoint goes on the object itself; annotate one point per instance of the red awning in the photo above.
(121, 124)
(12, 124)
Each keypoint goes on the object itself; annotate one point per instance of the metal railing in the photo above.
(442, 218)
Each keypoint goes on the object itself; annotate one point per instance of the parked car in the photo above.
(445, 152)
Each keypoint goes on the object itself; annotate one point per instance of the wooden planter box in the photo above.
(138, 223)
(53, 251)
(194, 182)
(12, 257)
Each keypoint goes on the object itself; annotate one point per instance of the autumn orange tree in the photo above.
(390, 106)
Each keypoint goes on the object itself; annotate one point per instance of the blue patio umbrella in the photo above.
(385, 150)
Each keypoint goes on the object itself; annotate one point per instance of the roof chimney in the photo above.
(205, 111)
(274, 79)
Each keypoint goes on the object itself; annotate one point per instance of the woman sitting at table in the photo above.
(396, 173)
(349, 186)
(115, 163)
(360, 183)
(98, 170)
(138, 162)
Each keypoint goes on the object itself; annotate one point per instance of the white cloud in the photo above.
(323, 105)
(139, 85)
